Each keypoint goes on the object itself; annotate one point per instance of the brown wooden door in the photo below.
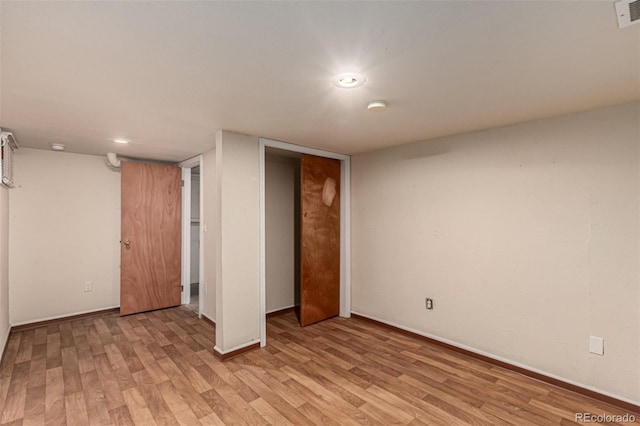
(320, 239)
(151, 237)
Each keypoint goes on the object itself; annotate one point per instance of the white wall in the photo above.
(64, 229)
(238, 241)
(208, 222)
(280, 175)
(526, 237)
(4, 268)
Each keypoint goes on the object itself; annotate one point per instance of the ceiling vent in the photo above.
(628, 12)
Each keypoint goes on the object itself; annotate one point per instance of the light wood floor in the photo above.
(158, 368)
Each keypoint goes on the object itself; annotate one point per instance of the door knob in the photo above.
(126, 243)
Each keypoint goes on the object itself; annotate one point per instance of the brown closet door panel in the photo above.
(151, 237)
(320, 239)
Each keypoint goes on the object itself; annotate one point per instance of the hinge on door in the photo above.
(181, 289)
(182, 183)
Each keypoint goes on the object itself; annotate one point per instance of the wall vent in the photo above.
(628, 12)
(8, 145)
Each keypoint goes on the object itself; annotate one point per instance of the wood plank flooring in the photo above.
(158, 368)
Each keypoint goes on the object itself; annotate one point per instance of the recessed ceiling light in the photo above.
(121, 141)
(348, 80)
(376, 105)
(57, 146)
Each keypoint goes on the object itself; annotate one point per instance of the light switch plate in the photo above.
(596, 345)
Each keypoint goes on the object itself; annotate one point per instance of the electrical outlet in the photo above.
(428, 303)
(88, 286)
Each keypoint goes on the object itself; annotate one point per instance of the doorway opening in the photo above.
(192, 234)
(194, 270)
(302, 235)
(342, 242)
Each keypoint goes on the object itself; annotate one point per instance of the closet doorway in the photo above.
(194, 237)
(304, 233)
(192, 233)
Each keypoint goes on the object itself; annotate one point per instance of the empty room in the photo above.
(319, 213)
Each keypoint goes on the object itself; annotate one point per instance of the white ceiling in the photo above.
(168, 75)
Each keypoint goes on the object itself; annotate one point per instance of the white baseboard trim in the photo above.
(70, 314)
(347, 315)
(236, 348)
(501, 359)
(280, 309)
(208, 318)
